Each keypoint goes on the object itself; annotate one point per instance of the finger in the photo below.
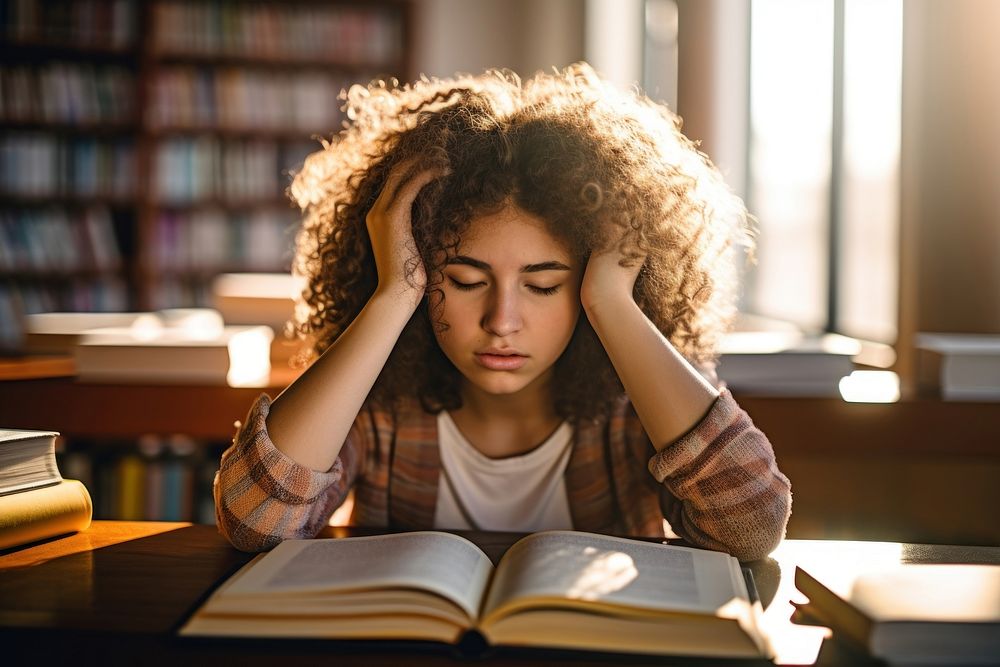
(396, 178)
(402, 198)
(392, 183)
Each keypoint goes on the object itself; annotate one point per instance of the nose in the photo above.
(503, 314)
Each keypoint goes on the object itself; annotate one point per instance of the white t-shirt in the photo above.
(524, 493)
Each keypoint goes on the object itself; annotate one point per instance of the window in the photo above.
(825, 82)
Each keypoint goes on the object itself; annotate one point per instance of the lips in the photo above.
(500, 360)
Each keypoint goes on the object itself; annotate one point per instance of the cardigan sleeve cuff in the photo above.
(283, 478)
(688, 454)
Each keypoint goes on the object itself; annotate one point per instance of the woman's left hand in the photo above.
(605, 278)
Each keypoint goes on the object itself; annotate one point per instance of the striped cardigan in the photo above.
(717, 486)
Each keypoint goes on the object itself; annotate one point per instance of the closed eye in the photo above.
(464, 286)
(467, 287)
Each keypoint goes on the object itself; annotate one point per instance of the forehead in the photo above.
(512, 236)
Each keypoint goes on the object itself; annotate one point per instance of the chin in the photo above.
(500, 384)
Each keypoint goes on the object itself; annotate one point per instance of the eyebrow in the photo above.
(527, 268)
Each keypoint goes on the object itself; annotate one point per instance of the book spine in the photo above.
(130, 497)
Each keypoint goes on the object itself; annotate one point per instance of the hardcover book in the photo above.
(913, 614)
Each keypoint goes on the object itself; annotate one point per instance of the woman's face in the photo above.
(511, 302)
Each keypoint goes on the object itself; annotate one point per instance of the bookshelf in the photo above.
(69, 124)
(145, 147)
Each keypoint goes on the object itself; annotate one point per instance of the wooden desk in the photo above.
(117, 592)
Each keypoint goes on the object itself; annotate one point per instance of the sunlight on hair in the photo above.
(610, 571)
(870, 387)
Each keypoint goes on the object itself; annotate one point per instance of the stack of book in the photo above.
(961, 367)
(786, 362)
(179, 346)
(35, 501)
(260, 298)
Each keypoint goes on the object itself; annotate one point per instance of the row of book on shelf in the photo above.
(210, 97)
(242, 98)
(61, 92)
(36, 164)
(39, 164)
(256, 240)
(58, 239)
(155, 479)
(205, 168)
(85, 23)
(346, 34)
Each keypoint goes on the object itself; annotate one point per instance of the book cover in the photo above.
(44, 512)
(913, 614)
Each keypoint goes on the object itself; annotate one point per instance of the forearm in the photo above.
(310, 420)
(668, 394)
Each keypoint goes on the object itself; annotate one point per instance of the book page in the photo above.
(446, 564)
(572, 567)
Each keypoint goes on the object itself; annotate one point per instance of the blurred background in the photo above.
(145, 148)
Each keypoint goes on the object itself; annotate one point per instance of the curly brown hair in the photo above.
(599, 165)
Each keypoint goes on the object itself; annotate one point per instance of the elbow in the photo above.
(241, 534)
(237, 526)
(253, 521)
(762, 530)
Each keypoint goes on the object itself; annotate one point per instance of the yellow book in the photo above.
(44, 512)
(554, 589)
(131, 491)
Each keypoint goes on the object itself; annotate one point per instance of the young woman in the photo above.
(514, 292)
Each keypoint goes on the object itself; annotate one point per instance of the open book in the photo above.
(557, 589)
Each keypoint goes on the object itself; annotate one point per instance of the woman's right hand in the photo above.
(391, 232)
